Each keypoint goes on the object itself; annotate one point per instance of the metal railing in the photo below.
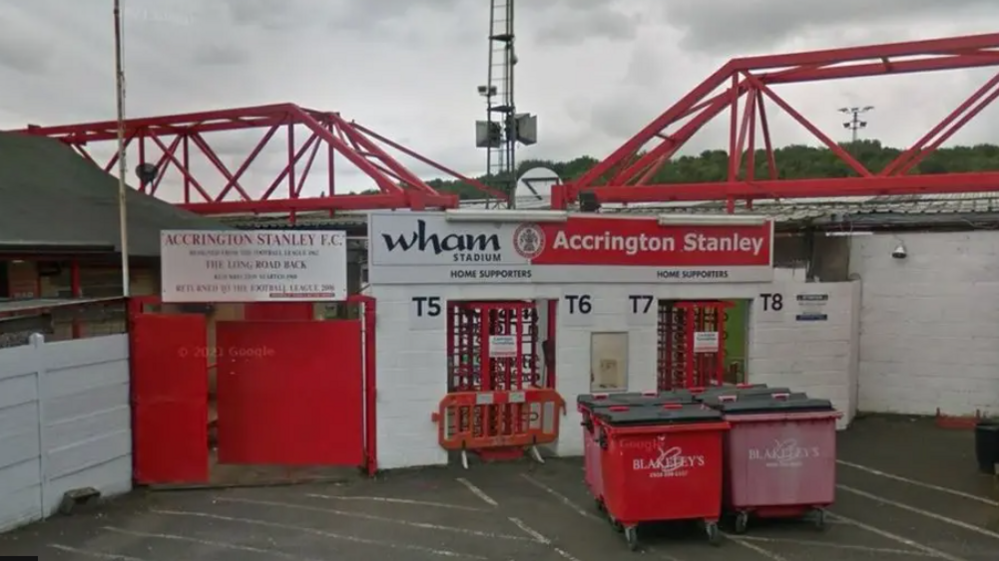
(60, 319)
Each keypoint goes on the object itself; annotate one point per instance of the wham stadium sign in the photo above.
(424, 248)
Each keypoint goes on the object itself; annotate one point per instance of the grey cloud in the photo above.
(22, 51)
(730, 26)
(622, 115)
(216, 54)
(362, 16)
(646, 66)
(409, 68)
(578, 26)
(175, 16)
(280, 15)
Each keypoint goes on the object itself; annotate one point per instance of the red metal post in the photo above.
(397, 186)
(640, 157)
(423, 159)
(369, 307)
(690, 381)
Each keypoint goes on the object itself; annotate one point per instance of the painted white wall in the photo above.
(817, 357)
(412, 354)
(928, 323)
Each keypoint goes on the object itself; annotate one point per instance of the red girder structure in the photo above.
(177, 136)
(623, 176)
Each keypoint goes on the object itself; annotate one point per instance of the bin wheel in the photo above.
(714, 535)
(741, 522)
(819, 519)
(600, 506)
(631, 536)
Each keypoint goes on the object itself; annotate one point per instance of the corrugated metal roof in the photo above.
(797, 210)
(303, 219)
(792, 210)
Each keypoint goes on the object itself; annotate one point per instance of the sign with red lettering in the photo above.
(253, 266)
(639, 243)
(425, 248)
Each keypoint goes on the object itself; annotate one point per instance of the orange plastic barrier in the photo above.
(498, 419)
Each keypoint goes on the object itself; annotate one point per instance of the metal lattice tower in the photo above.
(501, 159)
(503, 127)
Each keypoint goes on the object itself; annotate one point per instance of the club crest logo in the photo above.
(529, 241)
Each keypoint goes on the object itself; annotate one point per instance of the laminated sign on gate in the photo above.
(253, 265)
(428, 248)
(706, 342)
(502, 346)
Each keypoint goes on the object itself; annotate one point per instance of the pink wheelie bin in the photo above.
(780, 456)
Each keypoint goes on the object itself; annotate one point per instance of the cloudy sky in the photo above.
(594, 71)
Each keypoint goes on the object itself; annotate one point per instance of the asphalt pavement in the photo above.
(907, 491)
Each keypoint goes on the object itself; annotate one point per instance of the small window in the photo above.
(608, 362)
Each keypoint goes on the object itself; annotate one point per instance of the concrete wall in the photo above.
(928, 323)
(64, 424)
(412, 355)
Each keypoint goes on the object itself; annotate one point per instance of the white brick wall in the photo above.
(412, 361)
(928, 323)
(817, 357)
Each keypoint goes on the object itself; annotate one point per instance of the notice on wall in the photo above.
(812, 307)
(253, 266)
(503, 346)
(706, 341)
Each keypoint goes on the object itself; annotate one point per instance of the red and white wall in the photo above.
(813, 356)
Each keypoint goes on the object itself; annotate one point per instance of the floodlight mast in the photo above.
(503, 126)
(855, 124)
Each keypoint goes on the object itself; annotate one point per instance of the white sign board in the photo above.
(253, 266)
(503, 346)
(426, 248)
(706, 341)
(812, 307)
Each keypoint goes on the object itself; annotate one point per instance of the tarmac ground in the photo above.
(907, 490)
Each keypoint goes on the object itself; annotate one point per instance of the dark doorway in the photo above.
(4, 279)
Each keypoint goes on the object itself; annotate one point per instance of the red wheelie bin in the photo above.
(780, 456)
(587, 403)
(660, 464)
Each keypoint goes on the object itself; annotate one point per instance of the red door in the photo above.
(170, 398)
(290, 393)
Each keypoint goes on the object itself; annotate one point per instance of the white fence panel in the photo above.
(65, 423)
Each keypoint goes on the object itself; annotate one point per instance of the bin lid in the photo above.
(592, 401)
(779, 402)
(742, 390)
(670, 413)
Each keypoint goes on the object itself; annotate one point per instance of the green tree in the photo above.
(793, 162)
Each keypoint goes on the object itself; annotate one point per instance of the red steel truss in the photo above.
(623, 176)
(175, 135)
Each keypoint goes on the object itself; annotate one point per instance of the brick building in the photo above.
(59, 233)
(925, 343)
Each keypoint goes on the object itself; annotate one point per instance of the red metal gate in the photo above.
(290, 393)
(691, 348)
(499, 402)
(169, 398)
